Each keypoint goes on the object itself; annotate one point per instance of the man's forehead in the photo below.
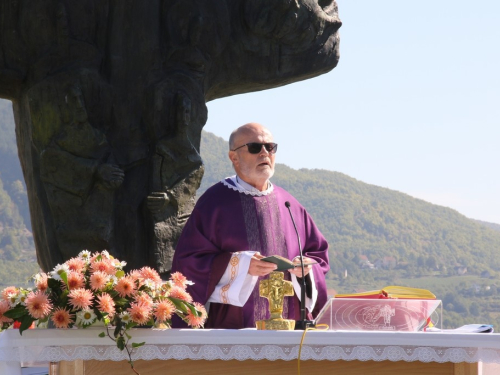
(253, 132)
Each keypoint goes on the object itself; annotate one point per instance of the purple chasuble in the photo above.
(227, 220)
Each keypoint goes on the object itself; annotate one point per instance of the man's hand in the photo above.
(259, 267)
(297, 271)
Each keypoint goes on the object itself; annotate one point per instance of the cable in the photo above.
(324, 327)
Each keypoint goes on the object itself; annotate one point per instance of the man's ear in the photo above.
(232, 156)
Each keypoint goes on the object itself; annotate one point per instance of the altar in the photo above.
(82, 352)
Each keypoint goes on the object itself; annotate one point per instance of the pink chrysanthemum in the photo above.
(125, 286)
(98, 280)
(144, 299)
(151, 274)
(41, 281)
(38, 304)
(80, 298)
(179, 280)
(180, 293)
(139, 313)
(106, 304)
(103, 265)
(163, 311)
(61, 318)
(76, 265)
(4, 307)
(75, 280)
(8, 292)
(136, 275)
(193, 319)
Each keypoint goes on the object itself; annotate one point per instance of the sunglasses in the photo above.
(255, 147)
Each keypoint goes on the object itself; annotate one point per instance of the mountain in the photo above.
(17, 250)
(10, 166)
(493, 226)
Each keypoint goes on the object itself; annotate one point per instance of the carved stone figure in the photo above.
(109, 102)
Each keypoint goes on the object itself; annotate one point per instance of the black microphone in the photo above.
(303, 323)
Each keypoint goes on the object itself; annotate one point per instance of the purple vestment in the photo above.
(226, 220)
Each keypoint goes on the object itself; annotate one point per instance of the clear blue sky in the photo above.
(414, 104)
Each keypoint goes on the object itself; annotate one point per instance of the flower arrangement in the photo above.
(94, 287)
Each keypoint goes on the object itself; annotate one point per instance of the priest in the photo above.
(236, 223)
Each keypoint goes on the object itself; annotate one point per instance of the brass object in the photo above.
(275, 289)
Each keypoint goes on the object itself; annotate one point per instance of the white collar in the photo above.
(237, 184)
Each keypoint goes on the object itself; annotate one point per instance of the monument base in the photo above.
(275, 324)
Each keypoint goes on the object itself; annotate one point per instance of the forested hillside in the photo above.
(17, 250)
(377, 236)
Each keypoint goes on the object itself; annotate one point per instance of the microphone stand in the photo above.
(303, 323)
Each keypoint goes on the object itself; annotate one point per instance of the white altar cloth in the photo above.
(53, 345)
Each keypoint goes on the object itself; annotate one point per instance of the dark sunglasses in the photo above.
(255, 147)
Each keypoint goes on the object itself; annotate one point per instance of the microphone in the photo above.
(303, 323)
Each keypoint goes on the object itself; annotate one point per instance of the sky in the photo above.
(413, 105)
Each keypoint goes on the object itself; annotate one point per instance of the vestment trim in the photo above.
(231, 183)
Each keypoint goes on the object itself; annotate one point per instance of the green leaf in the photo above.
(63, 298)
(193, 309)
(64, 277)
(26, 322)
(121, 301)
(53, 283)
(128, 336)
(102, 334)
(16, 313)
(119, 274)
(179, 304)
(137, 344)
(98, 314)
(118, 329)
(113, 294)
(120, 343)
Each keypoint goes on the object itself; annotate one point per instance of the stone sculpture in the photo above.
(109, 103)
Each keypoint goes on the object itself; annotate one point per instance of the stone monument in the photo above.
(109, 103)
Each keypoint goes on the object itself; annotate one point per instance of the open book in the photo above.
(284, 263)
(402, 292)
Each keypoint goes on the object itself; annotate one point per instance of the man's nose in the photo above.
(263, 150)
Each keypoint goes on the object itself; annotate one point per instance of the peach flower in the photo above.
(106, 304)
(163, 311)
(180, 293)
(125, 286)
(151, 274)
(144, 299)
(179, 280)
(193, 319)
(80, 298)
(41, 282)
(38, 304)
(103, 265)
(8, 292)
(76, 264)
(98, 280)
(75, 280)
(4, 307)
(61, 318)
(139, 314)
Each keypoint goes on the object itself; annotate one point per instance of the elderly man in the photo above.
(234, 225)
